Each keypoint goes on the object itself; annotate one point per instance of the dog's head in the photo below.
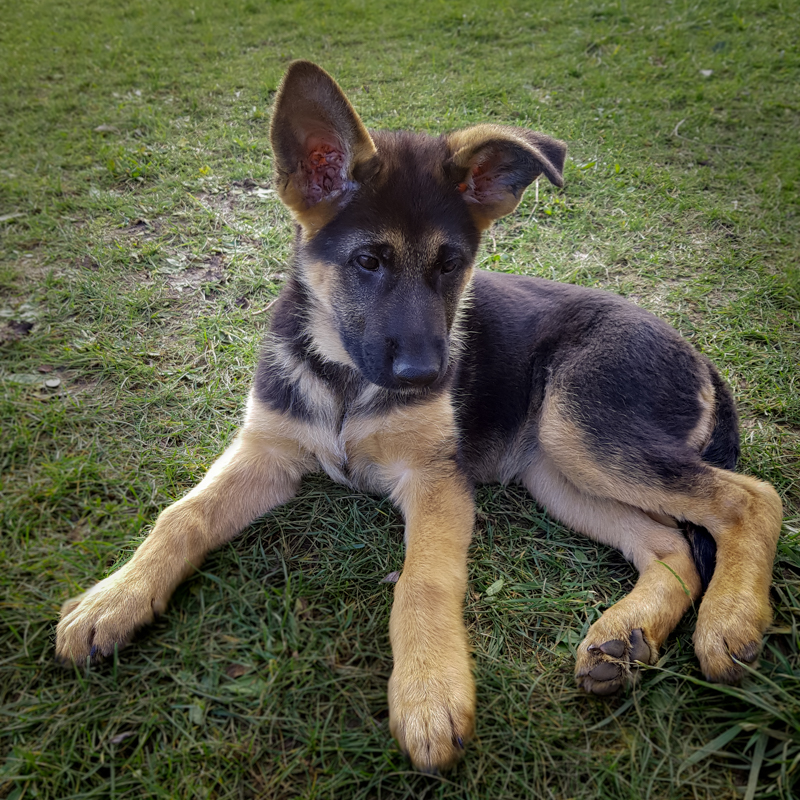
(390, 223)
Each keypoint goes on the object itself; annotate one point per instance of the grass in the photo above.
(140, 248)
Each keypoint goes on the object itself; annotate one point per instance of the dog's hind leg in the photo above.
(260, 470)
(744, 517)
(742, 514)
(634, 628)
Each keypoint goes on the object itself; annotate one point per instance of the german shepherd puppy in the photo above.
(397, 368)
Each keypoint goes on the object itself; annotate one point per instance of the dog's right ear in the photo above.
(321, 147)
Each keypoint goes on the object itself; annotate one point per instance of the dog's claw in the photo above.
(749, 653)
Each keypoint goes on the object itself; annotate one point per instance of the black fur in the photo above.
(392, 253)
(637, 400)
(722, 451)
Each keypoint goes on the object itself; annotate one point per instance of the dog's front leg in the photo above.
(256, 473)
(432, 689)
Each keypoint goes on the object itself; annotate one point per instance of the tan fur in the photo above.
(741, 513)
(432, 690)
(319, 278)
(327, 342)
(701, 434)
(668, 581)
(408, 453)
(413, 251)
(260, 470)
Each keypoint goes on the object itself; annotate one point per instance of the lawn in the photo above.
(141, 247)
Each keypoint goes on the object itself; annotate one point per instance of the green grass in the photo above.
(140, 238)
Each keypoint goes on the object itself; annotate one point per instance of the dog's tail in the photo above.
(721, 451)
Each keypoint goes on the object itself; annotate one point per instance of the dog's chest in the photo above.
(335, 435)
(329, 446)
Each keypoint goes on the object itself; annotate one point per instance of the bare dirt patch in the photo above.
(209, 275)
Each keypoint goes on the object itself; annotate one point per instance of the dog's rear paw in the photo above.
(604, 667)
(719, 638)
(104, 617)
(432, 719)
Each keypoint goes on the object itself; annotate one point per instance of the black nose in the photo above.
(414, 373)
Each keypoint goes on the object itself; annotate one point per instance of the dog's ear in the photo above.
(321, 147)
(493, 164)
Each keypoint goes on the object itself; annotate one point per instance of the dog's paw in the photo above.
(432, 717)
(104, 617)
(605, 665)
(726, 630)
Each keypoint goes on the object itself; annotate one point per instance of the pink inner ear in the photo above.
(324, 170)
(482, 185)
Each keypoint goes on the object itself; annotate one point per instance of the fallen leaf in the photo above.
(106, 129)
(301, 608)
(495, 587)
(706, 73)
(392, 577)
(251, 685)
(235, 670)
(24, 378)
(121, 737)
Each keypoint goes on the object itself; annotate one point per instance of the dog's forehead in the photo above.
(411, 166)
(404, 153)
(423, 244)
(412, 189)
(408, 203)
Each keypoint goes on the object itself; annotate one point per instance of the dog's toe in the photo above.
(717, 659)
(432, 719)
(639, 649)
(606, 671)
(728, 633)
(605, 667)
(101, 620)
(749, 652)
(614, 648)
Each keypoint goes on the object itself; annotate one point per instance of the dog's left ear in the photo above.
(493, 164)
(322, 149)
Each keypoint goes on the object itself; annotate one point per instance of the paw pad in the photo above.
(604, 668)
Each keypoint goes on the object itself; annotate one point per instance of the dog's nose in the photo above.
(411, 373)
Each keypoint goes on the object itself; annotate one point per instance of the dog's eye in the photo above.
(368, 262)
(450, 266)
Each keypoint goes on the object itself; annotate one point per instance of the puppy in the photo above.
(396, 367)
